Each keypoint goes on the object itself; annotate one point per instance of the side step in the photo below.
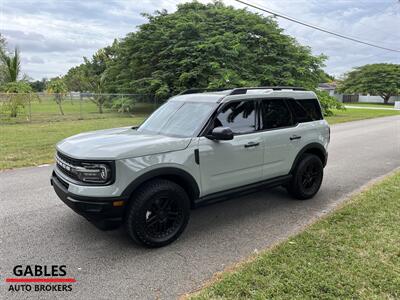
(243, 190)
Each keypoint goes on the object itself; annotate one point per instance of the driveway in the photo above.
(37, 228)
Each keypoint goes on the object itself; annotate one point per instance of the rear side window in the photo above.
(306, 110)
(239, 116)
(275, 114)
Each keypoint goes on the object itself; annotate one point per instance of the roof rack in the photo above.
(203, 90)
(240, 91)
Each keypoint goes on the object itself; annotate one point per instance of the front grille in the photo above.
(64, 164)
(71, 167)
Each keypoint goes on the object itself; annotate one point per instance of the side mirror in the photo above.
(221, 134)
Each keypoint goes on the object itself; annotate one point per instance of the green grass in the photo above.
(354, 253)
(33, 144)
(354, 114)
(378, 105)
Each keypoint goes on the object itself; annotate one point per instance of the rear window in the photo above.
(275, 114)
(306, 110)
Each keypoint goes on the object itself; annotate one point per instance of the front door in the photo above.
(238, 162)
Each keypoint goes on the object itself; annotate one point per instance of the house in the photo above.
(330, 87)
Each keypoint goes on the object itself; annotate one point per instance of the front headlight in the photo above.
(94, 172)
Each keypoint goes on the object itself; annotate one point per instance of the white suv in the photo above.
(199, 147)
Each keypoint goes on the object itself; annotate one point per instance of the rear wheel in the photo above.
(158, 214)
(307, 177)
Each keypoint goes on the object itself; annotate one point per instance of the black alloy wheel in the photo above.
(307, 177)
(158, 213)
(311, 175)
(164, 216)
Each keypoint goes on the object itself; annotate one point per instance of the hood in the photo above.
(119, 143)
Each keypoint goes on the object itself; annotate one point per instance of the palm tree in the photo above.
(12, 65)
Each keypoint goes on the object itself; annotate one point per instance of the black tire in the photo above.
(158, 213)
(307, 177)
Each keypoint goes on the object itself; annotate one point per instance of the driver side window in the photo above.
(239, 116)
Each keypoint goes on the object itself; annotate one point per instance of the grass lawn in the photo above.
(33, 144)
(354, 114)
(354, 253)
(378, 105)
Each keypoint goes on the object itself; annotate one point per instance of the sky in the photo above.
(55, 35)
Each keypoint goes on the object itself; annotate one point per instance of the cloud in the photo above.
(54, 35)
(33, 60)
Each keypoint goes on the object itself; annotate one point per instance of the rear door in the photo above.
(307, 114)
(228, 164)
(280, 135)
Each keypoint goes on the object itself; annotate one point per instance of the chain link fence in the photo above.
(46, 107)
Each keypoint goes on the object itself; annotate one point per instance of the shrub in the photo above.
(17, 96)
(328, 103)
(123, 105)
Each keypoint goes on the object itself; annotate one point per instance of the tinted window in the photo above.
(275, 114)
(306, 110)
(239, 116)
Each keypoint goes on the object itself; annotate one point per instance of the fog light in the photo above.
(118, 203)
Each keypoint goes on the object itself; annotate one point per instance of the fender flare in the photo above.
(188, 181)
(310, 148)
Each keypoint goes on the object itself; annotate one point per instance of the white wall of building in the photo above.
(376, 99)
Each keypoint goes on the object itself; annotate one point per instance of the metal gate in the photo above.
(350, 98)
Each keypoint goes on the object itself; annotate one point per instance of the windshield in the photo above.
(177, 118)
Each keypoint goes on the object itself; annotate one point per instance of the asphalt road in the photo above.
(37, 228)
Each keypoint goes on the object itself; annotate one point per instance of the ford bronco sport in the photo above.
(200, 146)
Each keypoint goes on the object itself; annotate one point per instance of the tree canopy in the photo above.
(202, 45)
(374, 79)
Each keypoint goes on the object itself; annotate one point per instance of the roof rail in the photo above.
(203, 90)
(239, 91)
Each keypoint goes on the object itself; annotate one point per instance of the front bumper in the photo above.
(99, 211)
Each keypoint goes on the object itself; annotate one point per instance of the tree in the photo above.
(374, 79)
(58, 87)
(75, 79)
(210, 45)
(3, 43)
(11, 65)
(95, 76)
(38, 85)
(2, 50)
(19, 95)
(91, 76)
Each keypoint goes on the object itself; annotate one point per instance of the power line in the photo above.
(315, 27)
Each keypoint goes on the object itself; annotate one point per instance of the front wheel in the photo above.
(158, 213)
(307, 177)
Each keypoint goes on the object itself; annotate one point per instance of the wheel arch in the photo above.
(313, 148)
(179, 176)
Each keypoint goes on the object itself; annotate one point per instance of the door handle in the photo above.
(295, 137)
(251, 144)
